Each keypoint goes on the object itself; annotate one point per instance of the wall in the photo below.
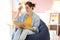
(5, 18)
(42, 5)
(45, 17)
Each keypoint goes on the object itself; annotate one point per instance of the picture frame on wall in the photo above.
(53, 18)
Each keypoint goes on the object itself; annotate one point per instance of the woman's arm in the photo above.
(19, 11)
(19, 24)
(29, 28)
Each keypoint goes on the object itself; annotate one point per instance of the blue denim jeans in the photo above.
(21, 34)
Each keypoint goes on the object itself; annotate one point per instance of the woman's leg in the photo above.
(17, 34)
(25, 33)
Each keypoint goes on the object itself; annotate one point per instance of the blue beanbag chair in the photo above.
(42, 35)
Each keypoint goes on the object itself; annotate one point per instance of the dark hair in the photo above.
(30, 4)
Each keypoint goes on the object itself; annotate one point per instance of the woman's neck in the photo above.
(30, 14)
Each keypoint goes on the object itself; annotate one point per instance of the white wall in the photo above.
(5, 18)
(45, 17)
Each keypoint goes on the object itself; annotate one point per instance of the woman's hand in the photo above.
(29, 28)
(18, 24)
(19, 10)
(20, 7)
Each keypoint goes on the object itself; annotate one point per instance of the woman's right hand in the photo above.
(20, 7)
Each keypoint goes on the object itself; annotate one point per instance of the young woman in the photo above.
(29, 23)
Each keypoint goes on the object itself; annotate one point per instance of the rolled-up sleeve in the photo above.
(17, 19)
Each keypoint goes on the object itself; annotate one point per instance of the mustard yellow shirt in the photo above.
(28, 21)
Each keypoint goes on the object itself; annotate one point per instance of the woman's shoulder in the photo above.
(35, 15)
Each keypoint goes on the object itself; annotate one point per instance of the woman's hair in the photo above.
(30, 4)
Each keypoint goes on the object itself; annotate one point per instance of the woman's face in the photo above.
(28, 9)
